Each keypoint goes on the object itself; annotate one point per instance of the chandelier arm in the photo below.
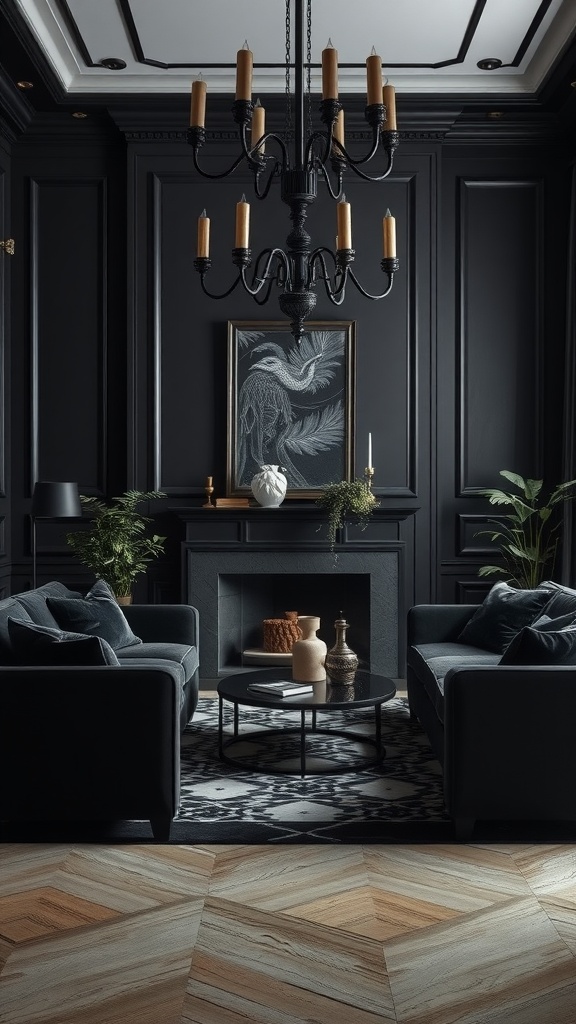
(262, 194)
(326, 139)
(222, 174)
(334, 291)
(223, 295)
(368, 295)
(340, 171)
(254, 157)
(380, 177)
(259, 280)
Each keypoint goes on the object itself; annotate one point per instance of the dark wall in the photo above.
(118, 361)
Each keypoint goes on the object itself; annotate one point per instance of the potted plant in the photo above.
(528, 536)
(116, 545)
(344, 501)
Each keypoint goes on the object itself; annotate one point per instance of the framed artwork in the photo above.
(290, 405)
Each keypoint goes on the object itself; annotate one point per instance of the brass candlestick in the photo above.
(209, 491)
(368, 474)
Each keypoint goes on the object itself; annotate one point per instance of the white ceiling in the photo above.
(188, 36)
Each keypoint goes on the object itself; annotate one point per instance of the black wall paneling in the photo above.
(119, 374)
(5, 403)
(490, 380)
(68, 416)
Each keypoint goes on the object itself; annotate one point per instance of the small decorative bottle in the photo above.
(309, 653)
(341, 662)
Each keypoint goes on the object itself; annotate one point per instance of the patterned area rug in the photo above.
(403, 794)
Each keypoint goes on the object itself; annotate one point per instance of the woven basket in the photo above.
(280, 634)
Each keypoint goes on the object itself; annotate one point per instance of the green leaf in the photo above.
(514, 478)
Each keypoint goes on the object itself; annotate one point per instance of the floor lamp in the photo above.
(53, 500)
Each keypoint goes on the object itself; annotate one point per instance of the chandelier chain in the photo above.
(288, 112)
(309, 61)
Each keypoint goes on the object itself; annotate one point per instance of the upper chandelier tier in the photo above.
(300, 157)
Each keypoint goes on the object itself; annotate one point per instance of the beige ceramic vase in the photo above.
(309, 653)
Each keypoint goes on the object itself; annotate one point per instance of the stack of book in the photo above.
(282, 688)
(232, 503)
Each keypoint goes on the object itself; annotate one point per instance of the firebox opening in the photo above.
(244, 601)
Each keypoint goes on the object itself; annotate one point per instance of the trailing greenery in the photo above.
(116, 545)
(528, 538)
(344, 501)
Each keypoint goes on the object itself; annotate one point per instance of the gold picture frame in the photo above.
(290, 405)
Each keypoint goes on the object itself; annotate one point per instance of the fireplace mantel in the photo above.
(242, 565)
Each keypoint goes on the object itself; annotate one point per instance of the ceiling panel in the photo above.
(424, 46)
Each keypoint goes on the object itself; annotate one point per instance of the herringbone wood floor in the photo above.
(287, 935)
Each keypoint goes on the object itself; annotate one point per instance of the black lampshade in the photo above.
(56, 500)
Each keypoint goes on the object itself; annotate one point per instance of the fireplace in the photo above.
(242, 566)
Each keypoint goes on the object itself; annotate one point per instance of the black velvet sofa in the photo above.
(502, 727)
(95, 742)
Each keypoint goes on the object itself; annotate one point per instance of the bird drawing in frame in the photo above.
(291, 405)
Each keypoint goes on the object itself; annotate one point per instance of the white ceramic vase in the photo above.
(309, 653)
(269, 486)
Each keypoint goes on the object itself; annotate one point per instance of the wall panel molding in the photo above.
(499, 325)
(68, 338)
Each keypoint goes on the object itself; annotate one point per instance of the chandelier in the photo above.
(300, 158)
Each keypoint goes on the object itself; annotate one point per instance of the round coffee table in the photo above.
(367, 691)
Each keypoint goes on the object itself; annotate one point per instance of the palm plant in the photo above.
(116, 545)
(527, 538)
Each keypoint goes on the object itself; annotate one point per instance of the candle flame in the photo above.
(245, 47)
(258, 104)
(329, 44)
(204, 214)
(373, 52)
(388, 214)
(243, 200)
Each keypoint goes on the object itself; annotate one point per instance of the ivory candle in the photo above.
(389, 100)
(258, 126)
(329, 72)
(242, 224)
(389, 235)
(198, 102)
(203, 242)
(208, 481)
(373, 78)
(344, 224)
(244, 64)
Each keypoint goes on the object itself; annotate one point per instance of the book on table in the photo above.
(281, 688)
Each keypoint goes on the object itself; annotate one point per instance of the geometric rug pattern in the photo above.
(424, 934)
(405, 788)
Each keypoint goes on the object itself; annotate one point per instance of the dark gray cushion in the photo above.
(97, 614)
(502, 614)
(431, 662)
(40, 645)
(561, 600)
(186, 658)
(34, 601)
(542, 646)
(9, 608)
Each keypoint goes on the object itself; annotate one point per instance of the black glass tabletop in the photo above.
(367, 690)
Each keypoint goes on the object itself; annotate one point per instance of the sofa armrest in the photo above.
(437, 623)
(509, 742)
(82, 743)
(164, 623)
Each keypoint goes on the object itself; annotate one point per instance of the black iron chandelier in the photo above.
(302, 157)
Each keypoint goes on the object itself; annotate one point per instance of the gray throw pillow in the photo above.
(503, 613)
(41, 645)
(97, 614)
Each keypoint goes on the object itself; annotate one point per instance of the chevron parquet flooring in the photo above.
(323, 935)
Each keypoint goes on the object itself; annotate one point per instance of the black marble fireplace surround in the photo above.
(241, 566)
